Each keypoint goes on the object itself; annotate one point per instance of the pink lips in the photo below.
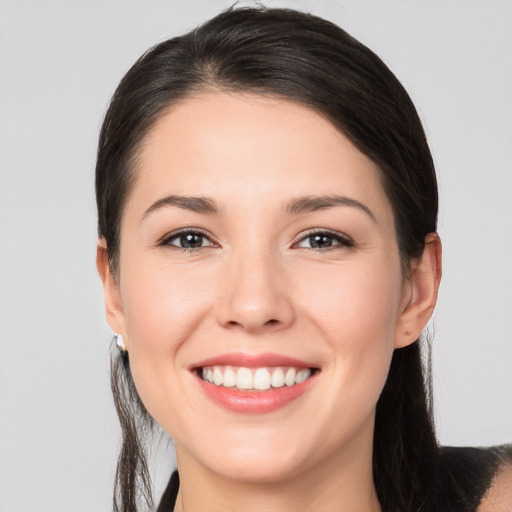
(253, 402)
(250, 361)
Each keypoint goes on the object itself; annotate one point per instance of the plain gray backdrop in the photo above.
(59, 64)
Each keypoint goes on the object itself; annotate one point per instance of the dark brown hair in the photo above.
(306, 59)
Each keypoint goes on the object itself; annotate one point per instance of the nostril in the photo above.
(269, 323)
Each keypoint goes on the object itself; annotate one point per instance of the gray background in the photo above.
(59, 64)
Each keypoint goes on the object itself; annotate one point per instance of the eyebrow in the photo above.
(194, 204)
(295, 206)
(313, 203)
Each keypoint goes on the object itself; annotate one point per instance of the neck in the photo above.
(343, 481)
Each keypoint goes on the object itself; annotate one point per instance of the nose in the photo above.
(255, 295)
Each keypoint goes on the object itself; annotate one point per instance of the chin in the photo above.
(245, 455)
(259, 469)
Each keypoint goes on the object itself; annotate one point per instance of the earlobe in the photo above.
(113, 305)
(421, 299)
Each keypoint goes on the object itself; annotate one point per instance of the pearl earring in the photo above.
(121, 344)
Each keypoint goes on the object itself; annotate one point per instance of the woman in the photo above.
(267, 217)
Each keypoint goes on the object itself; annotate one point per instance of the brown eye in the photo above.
(324, 240)
(189, 240)
(320, 241)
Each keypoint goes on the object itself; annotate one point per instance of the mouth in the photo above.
(241, 378)
(258, 384)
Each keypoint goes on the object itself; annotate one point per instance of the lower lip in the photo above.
(254, 402)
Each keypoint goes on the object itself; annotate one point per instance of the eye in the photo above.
(324, 240)
(188, 240)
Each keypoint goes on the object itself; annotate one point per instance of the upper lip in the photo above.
(252, 361)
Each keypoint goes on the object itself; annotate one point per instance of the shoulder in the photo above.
(478, 479)
(498, 497)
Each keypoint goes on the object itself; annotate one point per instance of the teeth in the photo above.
(260, 379)
(302, 375)
(289, 378)
(229, 378)
(244, 378)
(277, 378)
(218, 377)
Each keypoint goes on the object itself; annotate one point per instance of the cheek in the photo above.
(357, 305)
(357, 314)
(162, 304)
(163, 308)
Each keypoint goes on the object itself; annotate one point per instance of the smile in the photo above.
(254, 384)
(254, 379)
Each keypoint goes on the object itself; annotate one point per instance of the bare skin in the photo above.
(295, 254)
(499, 496)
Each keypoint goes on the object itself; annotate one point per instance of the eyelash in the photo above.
(341, 241)
(338, 239)
(178, 234)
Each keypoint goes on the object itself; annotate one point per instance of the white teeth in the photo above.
(217, 376)
(260, 379)
(289, 378)
(302, 375)
(229, 378)
(277, 378)
(244, 378)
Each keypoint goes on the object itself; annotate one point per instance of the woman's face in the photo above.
(258, 249)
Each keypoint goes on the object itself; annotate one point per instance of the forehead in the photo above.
(229, 145)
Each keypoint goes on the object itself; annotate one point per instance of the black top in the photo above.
(467, 472)
(169, 497)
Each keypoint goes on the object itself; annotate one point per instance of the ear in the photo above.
(113, 305)
(420, 293)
